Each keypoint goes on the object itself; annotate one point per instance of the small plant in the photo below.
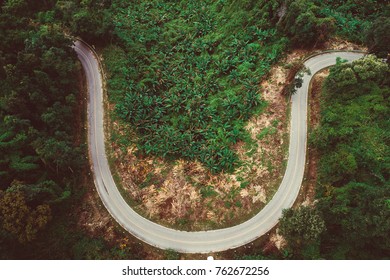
(208, 191)
(171, 254)
(265, 132)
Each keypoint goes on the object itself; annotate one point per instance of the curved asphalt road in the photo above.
(203, 241)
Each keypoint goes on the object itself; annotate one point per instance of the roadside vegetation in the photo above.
(353, 184)
(352, 211)
(185, 76)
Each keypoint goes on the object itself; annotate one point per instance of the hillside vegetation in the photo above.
(186, 74)
(42, 151)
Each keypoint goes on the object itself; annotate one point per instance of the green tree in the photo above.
(90, 20)
(302, 228)
(358, 220)
(37, 106)
(378, 38)
(304, 24)
(354, 125)
(21, 220)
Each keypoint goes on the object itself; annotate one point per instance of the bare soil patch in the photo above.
(340, 44)
(314, 120)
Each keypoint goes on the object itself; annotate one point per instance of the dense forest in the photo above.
(185, 74)
(351, 217)
(354, 143)
(42, 151)
(40, 155)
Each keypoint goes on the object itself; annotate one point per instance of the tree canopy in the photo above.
(378, 38)
(302, 229)
(37, 105)
(353, 140)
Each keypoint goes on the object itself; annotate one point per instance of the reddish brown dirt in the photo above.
(339, 44)
(314, 119)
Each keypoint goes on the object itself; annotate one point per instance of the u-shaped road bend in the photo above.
(200, 241)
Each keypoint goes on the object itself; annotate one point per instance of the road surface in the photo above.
(201, 241)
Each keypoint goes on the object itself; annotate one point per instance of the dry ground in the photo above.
(314, 120)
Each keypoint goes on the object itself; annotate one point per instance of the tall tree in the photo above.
(302, 228)
(378, 37)
(20, 219)
(357, 216)
(304, 24)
